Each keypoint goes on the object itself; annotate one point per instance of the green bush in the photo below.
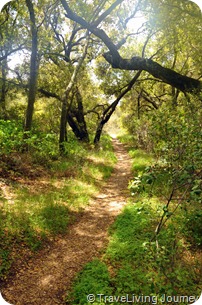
(42, 146)
(11, 136)
(177, 135)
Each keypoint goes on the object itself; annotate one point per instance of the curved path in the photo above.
(49, 275)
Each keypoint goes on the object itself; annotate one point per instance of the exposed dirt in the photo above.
(46, 277)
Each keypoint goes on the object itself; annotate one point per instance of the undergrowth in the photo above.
(42, 193)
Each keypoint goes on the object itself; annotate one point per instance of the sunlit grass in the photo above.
(141, 160)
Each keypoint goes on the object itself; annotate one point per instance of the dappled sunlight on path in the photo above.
(46, 278)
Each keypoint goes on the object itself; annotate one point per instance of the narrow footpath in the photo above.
(46, 278)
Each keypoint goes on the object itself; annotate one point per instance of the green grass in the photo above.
(133, 262)
(93, 279)
(42, 208)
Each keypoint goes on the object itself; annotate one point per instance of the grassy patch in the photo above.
(93, 279)
(136, 266)
(34, 209)
(141, 160)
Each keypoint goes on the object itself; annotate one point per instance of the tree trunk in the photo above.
(33, 68)
(107, 113)
(175, 94)
(76, 119)
(63, 119)
(138, 105)
(99, 131)
(80, 118)
(63, 123)
(3, 89)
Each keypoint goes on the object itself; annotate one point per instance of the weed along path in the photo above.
(49, 274)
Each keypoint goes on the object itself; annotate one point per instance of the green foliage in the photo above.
(193, 226)
(11, 134)
(177, 135)
(43, 146)
(173, 135)
(175, 189)
(93, 279)
(128, 229)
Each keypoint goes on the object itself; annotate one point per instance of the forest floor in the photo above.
(48, 275)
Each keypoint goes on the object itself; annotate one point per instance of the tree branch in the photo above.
(21, 47)
(181, 82)
(49, 94)
(97, 32)
(106, 13)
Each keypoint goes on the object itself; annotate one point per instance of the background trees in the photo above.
(80, 59)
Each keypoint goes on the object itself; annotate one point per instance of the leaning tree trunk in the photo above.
(107, 113)
(33, 68)
(80, 135)
(99, 129)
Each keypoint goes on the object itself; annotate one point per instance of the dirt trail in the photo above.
(46, 279)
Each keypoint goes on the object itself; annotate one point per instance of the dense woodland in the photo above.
(72, 72)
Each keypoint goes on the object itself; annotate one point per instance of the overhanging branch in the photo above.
(175, 79)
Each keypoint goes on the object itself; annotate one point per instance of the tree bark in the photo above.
(76, 118)
(80, 118)
(33, 68)
(99, 129)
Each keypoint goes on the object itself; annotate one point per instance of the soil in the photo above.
(46, 277)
